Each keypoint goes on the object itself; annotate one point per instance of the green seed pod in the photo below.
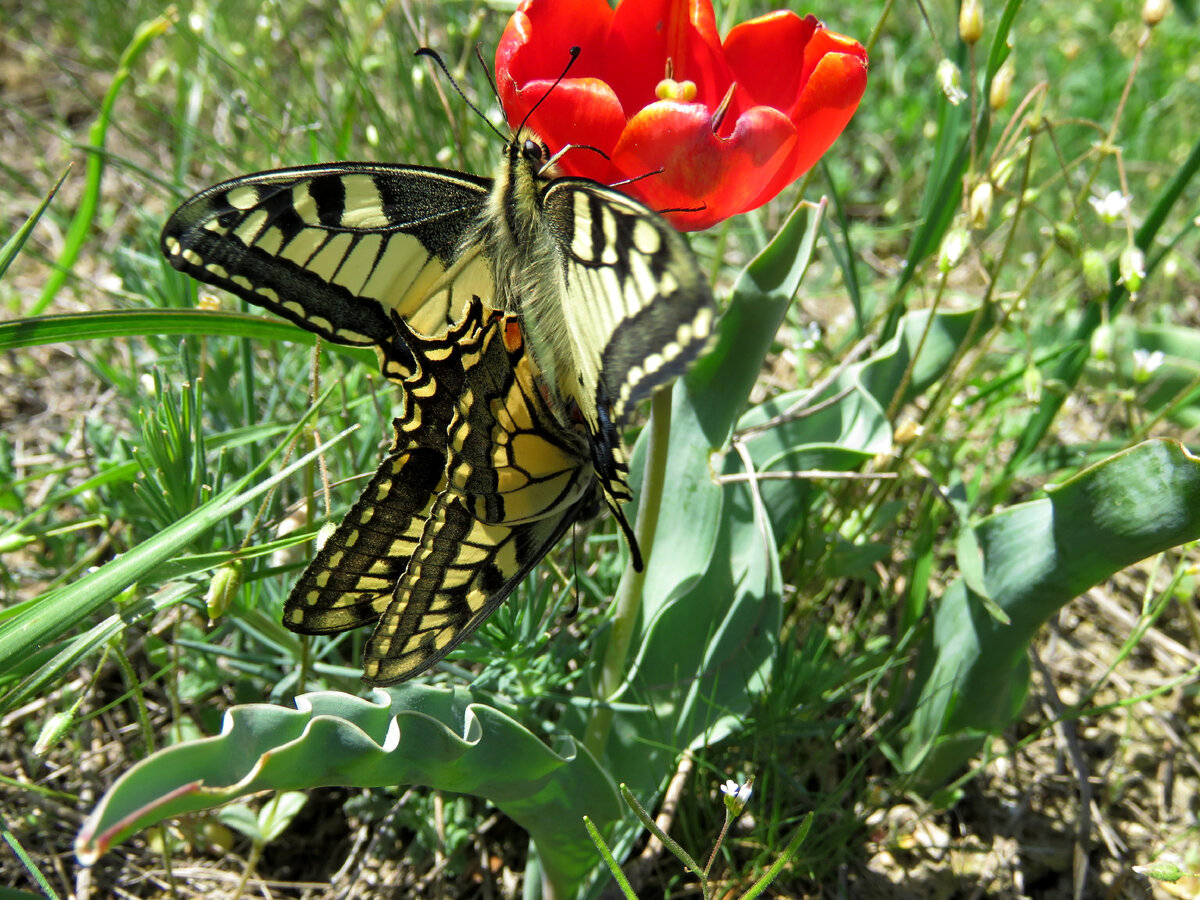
(223, 588)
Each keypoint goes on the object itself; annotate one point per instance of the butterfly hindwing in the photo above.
(459, 536)
(351, 580)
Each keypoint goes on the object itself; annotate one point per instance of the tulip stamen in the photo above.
(670, 89)
(718, 115)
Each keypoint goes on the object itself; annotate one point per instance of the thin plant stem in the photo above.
(629, 594)
(712, 857)
(609, 860)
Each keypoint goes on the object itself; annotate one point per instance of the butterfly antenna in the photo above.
(568, 148)
(487, 73)
(433, 54)
(574, 51)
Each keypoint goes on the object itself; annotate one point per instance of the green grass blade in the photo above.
(47, 619)
(81, 224)
(112, 323)
(14, 244)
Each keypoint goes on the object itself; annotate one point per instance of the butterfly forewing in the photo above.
(628, 311)
(638, 309)
(337, 249)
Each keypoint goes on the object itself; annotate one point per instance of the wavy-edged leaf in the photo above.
(415, 735)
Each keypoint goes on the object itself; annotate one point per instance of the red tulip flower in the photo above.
(702, 129)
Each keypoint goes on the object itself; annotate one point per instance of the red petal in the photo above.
(826, 105)
(537, 41)
(825, 44)
(644, 35)
(711, 177)
(765, 56)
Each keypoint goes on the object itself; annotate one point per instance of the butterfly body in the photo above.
(595, 300)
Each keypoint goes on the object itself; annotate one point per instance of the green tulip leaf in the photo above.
(710, 611)
(846, 434)
(723, 378)
(923, 347)
(414, 734)
(1037, 557)
(839, 438)
(706, 404)
(702, 658)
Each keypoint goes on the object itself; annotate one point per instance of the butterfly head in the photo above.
(530, 151)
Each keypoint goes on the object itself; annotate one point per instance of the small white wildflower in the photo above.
(810, 336)
(736, 795)
(1145, 364)
(950, 80)
(1111, 207)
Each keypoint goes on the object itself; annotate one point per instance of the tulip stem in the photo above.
(629, 594)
